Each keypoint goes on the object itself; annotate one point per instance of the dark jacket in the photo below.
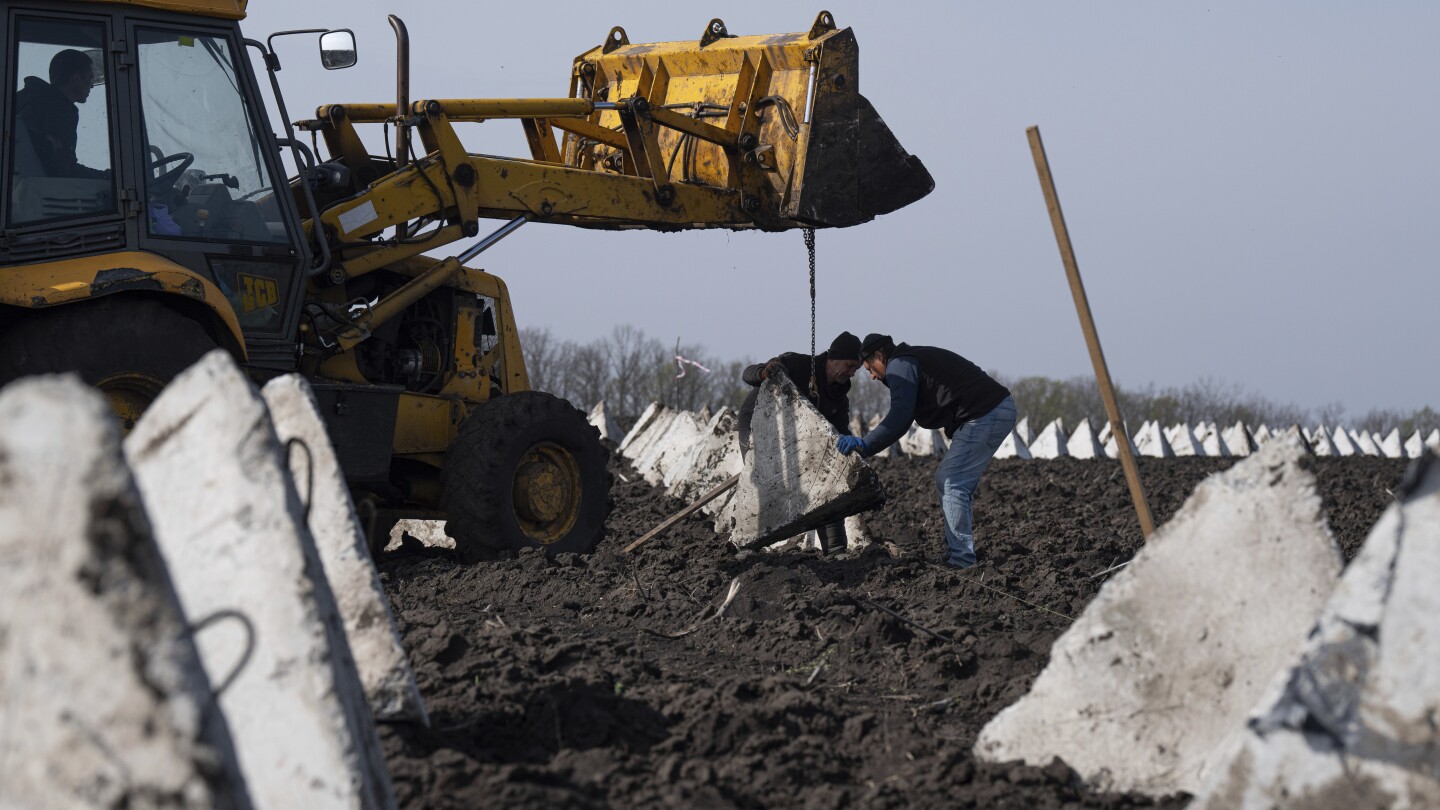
(52, 120)
(951, 389)
(833, 401)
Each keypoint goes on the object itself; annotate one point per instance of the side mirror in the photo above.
(337, 49)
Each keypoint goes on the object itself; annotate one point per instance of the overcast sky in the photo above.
(1249, 186)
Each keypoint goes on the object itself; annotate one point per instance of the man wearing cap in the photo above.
(824, 380)
(938, 389)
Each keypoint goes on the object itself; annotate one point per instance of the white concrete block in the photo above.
(643, 424)
(1364, 443)
(1013, 447)
(1150, 686)
(716, 457)
(1213, 443)
(893, 451)
(675, 445)
(922, 442)
(1152, 442)
(103, 701)
(1183, 441)
(795, 480)
(1352, 724)
(1392, 446)
(1415, 445)
(1051, 443)
(231, 527)
(430, 533)
(1433, 440)
(1083, 443)
(370, 630)
(857, 427)
(1321, 443)
(1171, 433)
(639, 445)
(1105, 432)
(1024, 430)
(1340, 440)
(1238, 440)
(1262, 435)
(599, 417)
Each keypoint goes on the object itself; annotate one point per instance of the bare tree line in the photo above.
(629, 369)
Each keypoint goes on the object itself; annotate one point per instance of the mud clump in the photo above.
(605, 680)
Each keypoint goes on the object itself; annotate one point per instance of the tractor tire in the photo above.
(527, 471)
(129, 348)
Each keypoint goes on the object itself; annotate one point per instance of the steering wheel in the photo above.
(163, 182)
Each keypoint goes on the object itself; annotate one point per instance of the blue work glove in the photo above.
(845, 444)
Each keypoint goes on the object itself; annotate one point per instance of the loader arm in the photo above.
(756, 132)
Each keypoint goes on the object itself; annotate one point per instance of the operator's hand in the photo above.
(848, 444)
(775, 369)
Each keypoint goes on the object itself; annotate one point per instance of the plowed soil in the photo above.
(608, 681)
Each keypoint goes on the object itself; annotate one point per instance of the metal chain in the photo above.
(814, 372)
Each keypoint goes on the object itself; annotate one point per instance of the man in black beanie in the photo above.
(824, 380)
(939, 389)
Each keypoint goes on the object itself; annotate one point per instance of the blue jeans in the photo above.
(959, 473)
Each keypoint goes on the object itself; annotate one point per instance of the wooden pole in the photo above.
(1092, 338)
(683, 513)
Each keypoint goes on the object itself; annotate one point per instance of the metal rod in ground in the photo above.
(1092, 338)
(683, 513)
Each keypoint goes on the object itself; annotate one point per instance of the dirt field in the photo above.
(605, 681)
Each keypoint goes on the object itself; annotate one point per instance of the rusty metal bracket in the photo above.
(824, 24)
(615, 40)
(714, 31)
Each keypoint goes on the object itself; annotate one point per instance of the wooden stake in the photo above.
(1092, 338)
(683, 513)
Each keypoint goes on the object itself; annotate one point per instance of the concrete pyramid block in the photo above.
(857, 425)
(794, 480)
(1238, 440)
(893, 451)
(1184, 442)
(102, 694)
(1105, 432)
(1152, 442)
(232, 529)
(1392, 446)
(1213, 443)
(922, 442)
(1352, 723)
(1433, 440)
(715, 458)
(1340, 440)
(638, 445)
(1294, 432)
(1013, 447)
(1262, 435)
(1150, 686)
(1083, 443)
(1364, 443)
(1026, 433)
(647, 420)
(364, 608)
(1321, 444)
(1051, 443)
(599, 417)
(1414, 446)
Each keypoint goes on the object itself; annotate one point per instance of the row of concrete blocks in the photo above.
(1231, 659)
(1206, 439)
(792, 481)
(191, 616)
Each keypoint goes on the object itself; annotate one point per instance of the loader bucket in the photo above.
(806, 148)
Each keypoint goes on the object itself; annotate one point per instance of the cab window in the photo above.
(60, 156)
(206, 176)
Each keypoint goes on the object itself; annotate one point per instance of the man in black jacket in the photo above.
(939, 389)
(50, 115)
(830, 372)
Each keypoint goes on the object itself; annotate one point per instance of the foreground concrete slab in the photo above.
(795, 480)
(1153, 681)
(103, 698)
(1083, 443)
(1352, 724)
(232, 529)
(365, 609)
(599, 417)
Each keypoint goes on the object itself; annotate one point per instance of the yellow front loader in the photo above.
(159, 226)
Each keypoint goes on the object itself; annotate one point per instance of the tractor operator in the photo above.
(52, 117)
(831, 371)
(938, 389)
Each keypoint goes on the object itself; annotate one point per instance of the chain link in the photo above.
(810, 247)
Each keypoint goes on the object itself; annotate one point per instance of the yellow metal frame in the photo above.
(224, 9)
(66, 281)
